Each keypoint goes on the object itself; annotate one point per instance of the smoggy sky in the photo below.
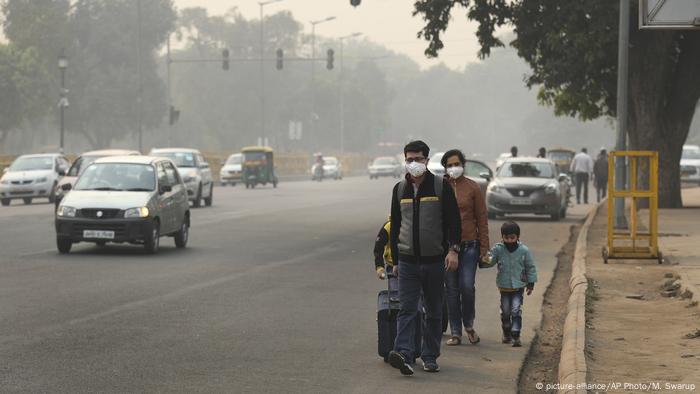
(387, 22)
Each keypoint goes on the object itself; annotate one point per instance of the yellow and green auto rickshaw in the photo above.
(562, 158)
(258, 166)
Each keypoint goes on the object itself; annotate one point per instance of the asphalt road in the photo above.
(276, 293)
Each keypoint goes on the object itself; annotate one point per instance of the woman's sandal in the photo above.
(473, 337)
(454, 341)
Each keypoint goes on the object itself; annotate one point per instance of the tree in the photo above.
(571, 49)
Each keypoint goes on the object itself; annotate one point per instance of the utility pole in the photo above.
(170, 94)
(262, 68)
(622, 105)
(341, 86)
(63, 103)
(139, 99)
(313, 73)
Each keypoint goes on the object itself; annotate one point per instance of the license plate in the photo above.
(98, 234)
(521, 201)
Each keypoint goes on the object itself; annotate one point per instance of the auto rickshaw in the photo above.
(258, 166)
(562, 158)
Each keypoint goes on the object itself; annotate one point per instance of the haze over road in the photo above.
(275, 293)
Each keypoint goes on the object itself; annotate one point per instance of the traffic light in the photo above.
(330, 59)
(355, 3)
(174, 115)
(280, 59)
(225, 56)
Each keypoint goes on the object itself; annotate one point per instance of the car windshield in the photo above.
(32, 163)
(234, 159)
(254, 156)
(526, 170)
(560, 155)
(691, 154)
(331, 161)
(384, 161)
(81, 164)
(181, 159)
(117, 177)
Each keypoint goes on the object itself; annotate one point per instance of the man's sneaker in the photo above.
(506, 335)
(516, 339)
(398, 361)
(430, 366)
(506, 339)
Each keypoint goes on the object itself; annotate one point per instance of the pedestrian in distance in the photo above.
(517, 275)
(582, 168)
(513, 151)
(600, 174)
(460, 285)
(425, 240)
(542, 154)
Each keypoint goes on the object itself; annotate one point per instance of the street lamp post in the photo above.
(622, 106)
(341, 86)
(63, 103)
(313, 71)
(262, 68)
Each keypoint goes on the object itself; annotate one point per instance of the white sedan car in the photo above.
(690, 164)
(32, 176)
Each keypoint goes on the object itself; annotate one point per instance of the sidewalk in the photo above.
(635, 329)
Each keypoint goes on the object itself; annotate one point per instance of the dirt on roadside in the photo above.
(635, 335)
(542, 362)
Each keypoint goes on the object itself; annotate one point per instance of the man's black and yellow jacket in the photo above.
(424, 225)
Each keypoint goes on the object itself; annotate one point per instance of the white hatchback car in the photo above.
(32, 176)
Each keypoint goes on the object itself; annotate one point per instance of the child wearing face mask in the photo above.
(517, 274)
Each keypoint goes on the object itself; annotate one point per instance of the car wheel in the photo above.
(555, 216)
(152, 242)
(247, 185)
(233, 183)
(183, 235)
(52, 196)
(5, 202)
(64, 245)
(491, 216)
(210, 199)
(27, 201)
(198, 198)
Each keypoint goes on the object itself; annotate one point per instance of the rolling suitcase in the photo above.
(387, 311)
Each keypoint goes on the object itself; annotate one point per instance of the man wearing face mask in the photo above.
(460, 289)
(425, 241)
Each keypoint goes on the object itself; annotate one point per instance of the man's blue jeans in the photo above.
(461, 292)
(511, 310)
(414, 280)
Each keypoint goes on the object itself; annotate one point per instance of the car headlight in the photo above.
(42, 180)
(551, 188)
(495, 188)
(140, 212)
(66, 212)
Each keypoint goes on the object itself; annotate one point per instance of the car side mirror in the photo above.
(486, 176)
(165, 189)
(66, 187)
(204, 165)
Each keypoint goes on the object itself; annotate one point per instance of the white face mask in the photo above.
(415, 168)
(455, 172)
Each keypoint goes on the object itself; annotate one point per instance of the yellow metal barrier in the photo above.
(636, 244)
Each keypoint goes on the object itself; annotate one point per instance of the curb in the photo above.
(572, 361)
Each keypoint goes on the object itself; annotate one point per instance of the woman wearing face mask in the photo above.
(460, 289)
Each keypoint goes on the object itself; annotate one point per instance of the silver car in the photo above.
(32, 176)
(132, 199)
(528, 185)
(231, 170)
(195, 172)
(385, 166)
